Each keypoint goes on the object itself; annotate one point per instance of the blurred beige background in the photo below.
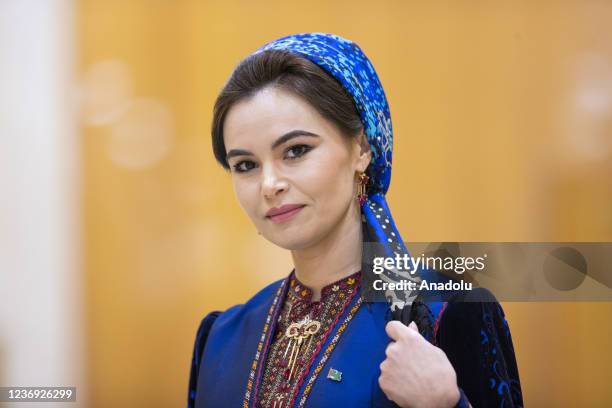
(502, 115)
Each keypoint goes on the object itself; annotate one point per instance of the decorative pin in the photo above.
(334, 375)
(298, 333)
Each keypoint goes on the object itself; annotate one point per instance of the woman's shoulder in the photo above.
(473, 305)
(473, 312)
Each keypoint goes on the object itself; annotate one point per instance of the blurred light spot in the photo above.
(589, 120)
(106, 92)
(594, 99)
(142, 136)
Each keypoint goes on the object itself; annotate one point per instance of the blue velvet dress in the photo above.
(231, 347)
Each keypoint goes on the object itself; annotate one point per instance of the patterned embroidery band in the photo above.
(260, 348)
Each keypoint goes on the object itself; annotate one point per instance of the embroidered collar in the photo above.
(304, 293)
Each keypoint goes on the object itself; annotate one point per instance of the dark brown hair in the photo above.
(292, 73)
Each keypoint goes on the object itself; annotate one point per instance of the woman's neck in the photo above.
(336, 256)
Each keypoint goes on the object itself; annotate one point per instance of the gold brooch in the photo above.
(298, 333)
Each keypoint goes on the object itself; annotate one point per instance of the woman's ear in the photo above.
(365, 152)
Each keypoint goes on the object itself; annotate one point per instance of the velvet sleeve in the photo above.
(474, 334)
(198, 349)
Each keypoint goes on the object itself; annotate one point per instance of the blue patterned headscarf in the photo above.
(347, 63)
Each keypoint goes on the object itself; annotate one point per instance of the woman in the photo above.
(303, 126)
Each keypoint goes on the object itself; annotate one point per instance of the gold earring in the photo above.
(362, 195)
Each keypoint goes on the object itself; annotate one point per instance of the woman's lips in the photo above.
(284, 213)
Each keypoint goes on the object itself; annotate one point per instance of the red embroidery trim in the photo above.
(437, 326)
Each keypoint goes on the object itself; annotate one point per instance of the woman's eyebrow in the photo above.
(237, 152)
(283, 139)
(290, 135)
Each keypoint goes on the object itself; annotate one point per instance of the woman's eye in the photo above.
(243, 166)
(297, 151)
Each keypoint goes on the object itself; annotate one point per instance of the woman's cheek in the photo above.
(332, 200)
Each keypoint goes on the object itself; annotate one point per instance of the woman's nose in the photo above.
(273, 183)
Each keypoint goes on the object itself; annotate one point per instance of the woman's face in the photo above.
(294, 172)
